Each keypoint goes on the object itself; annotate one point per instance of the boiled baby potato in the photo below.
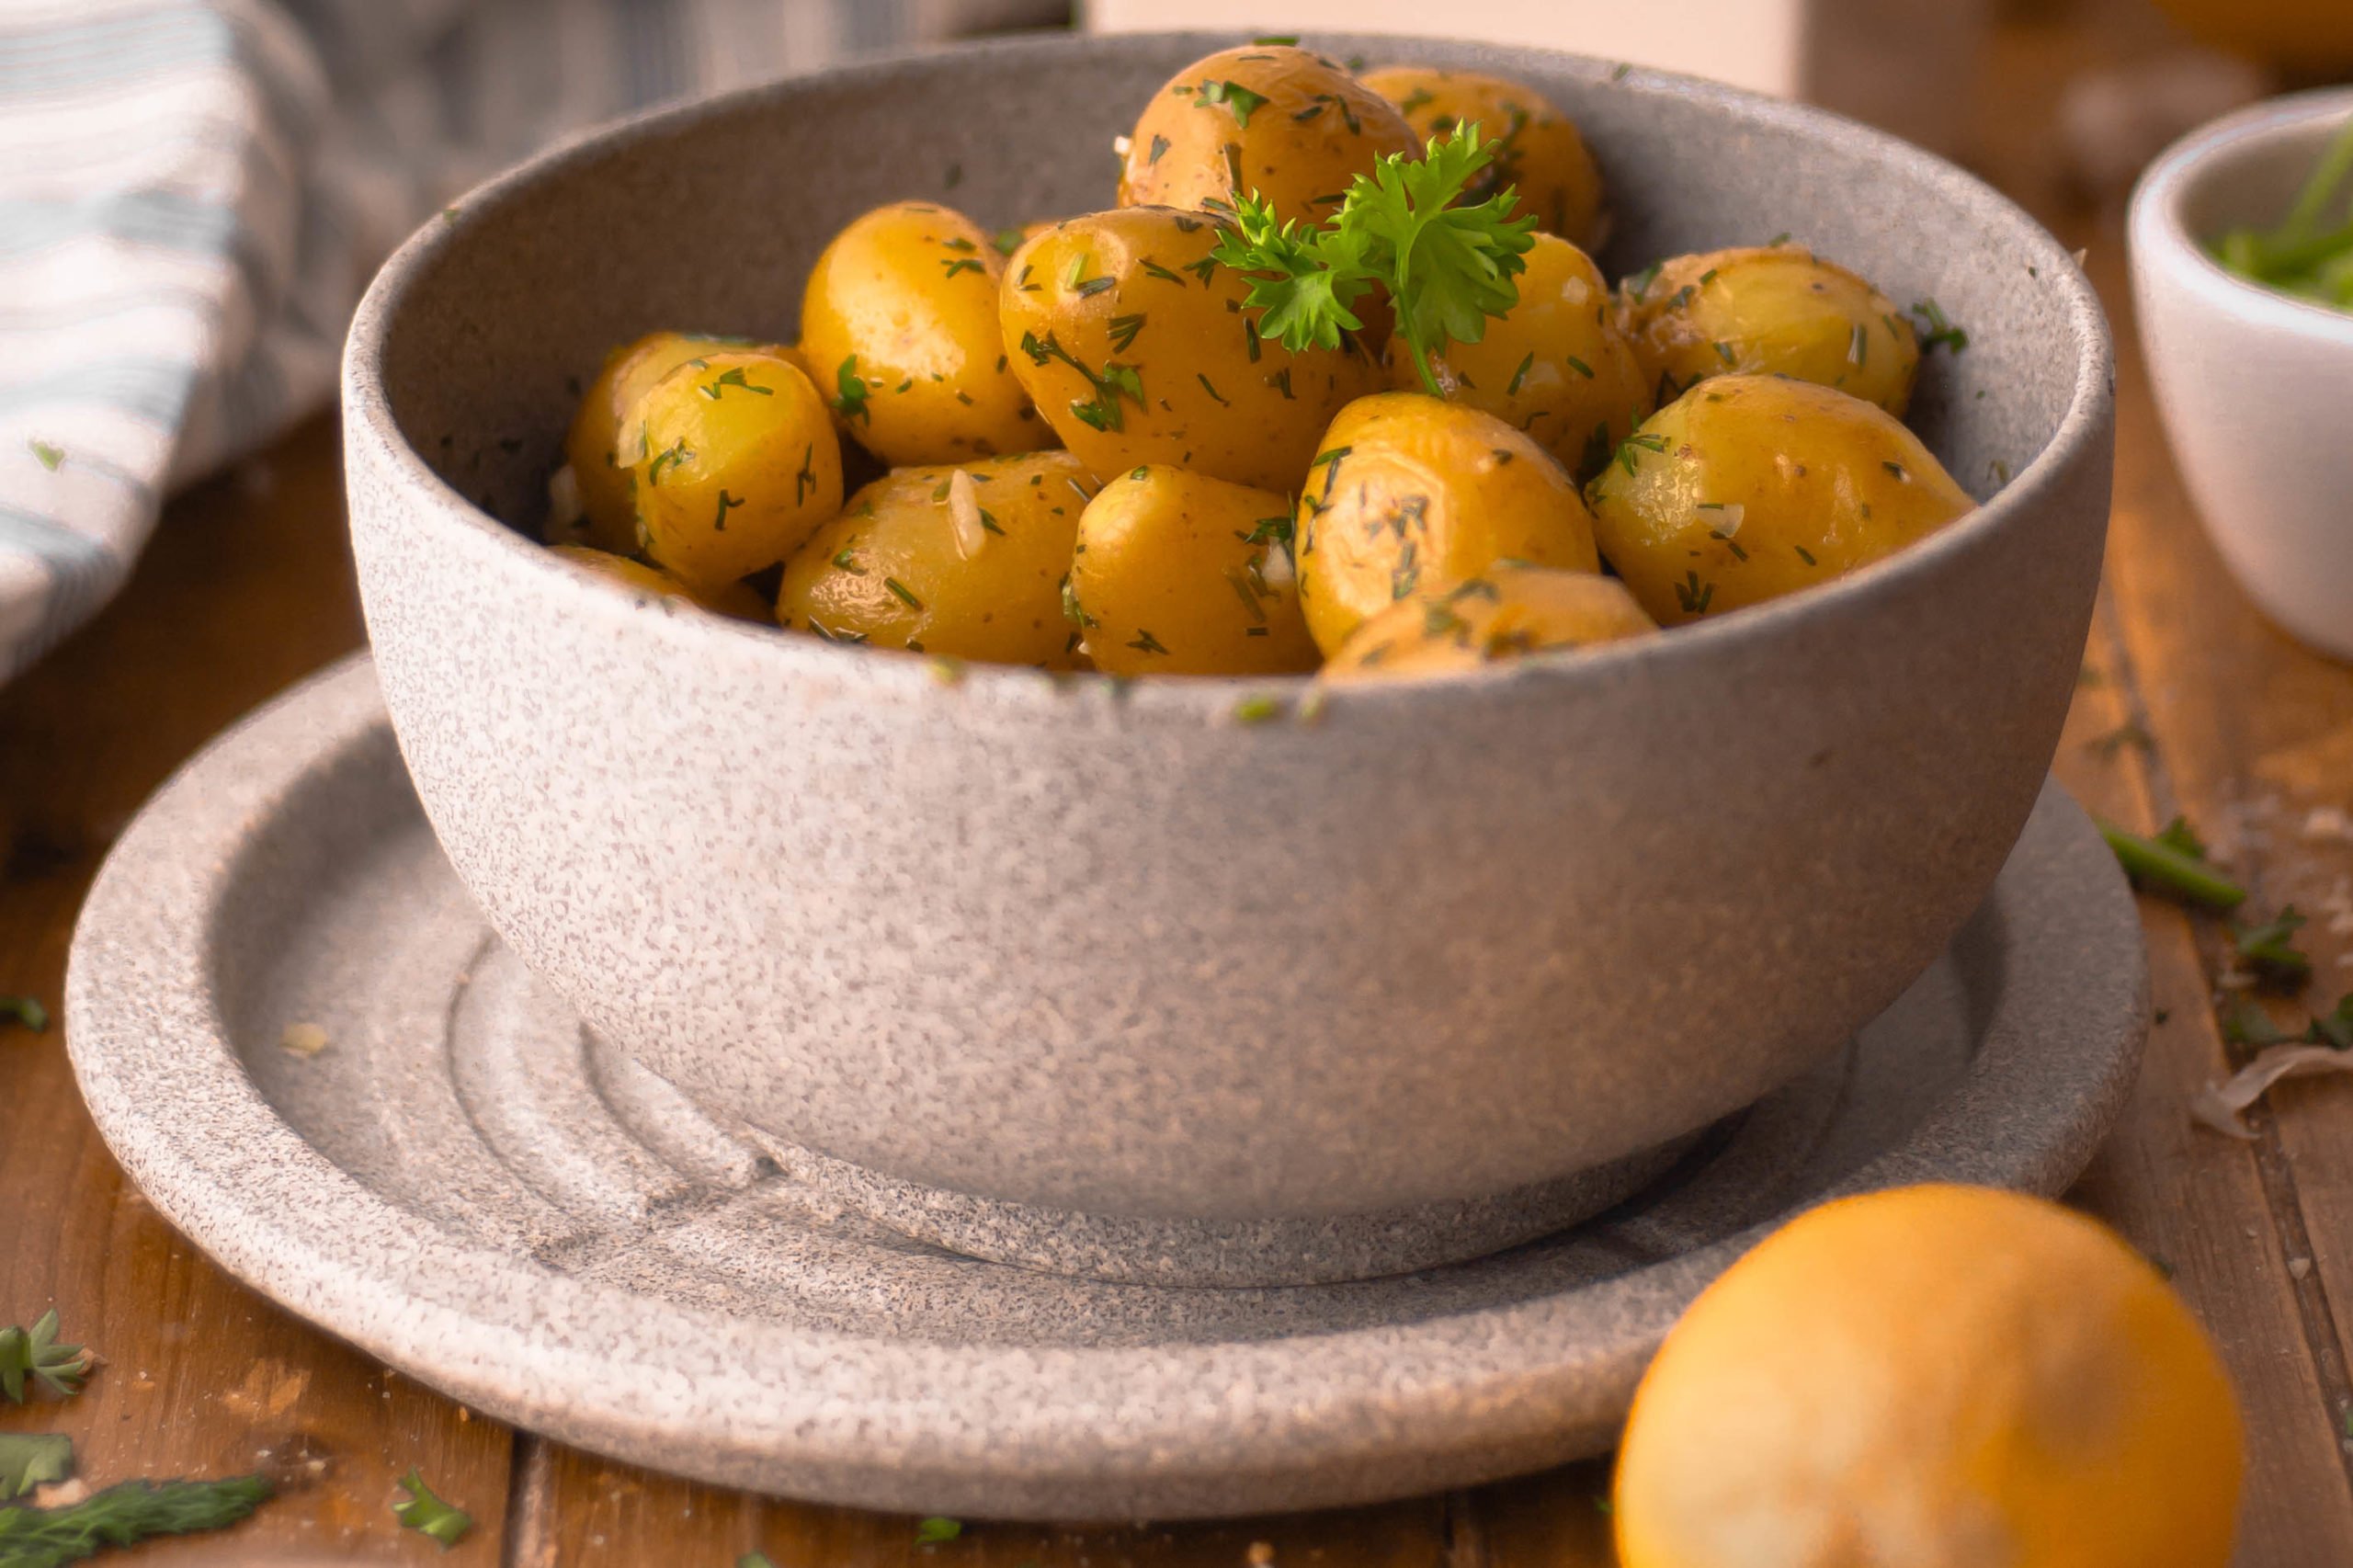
(899, 326)
(1411, 494)
(1178, 573)
(1775, 309)
(1749, 487)
(1504, 613)
(737, 464)
(1538, 149)
(1556, 365)
(964, 560)
(1283, 122)
(1133, 341)
(599, 511)
(735, 601)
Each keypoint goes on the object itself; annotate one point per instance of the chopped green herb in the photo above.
(1005, 242)
(1940, 333)
(29, 1460)
(1897, 469)
(945, 670)
(2245, 1023)
(1145, 642)
(2173, 862)
(733, 378)
(2270, 949)
(2334, 1029)
(1278, 41)
(1620, 72)
(1778, 241)
(964, 264)
(429, 1515)
(670, 456)
(1154, 269)
(1447, 267)
(125, 1516)
(1257, 708)
(1072, 610)
(26, 1010)
(2299, 257)
(850, 392)
(726, 503)
(1694, 595)
(1419, 98)
(1519, 375)
(1647, 441)
(1234, 95)
(1579, 365)
(1123, 330)
(1805, 555)
(2132, 732)
(49, 457)
(1725, 352)
(901, 592)
(1212, 390)
(1639, 285)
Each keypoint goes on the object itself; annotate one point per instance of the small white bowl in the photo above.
(2254, 386)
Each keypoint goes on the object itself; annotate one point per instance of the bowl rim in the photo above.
(367, 415)
(2160, 235)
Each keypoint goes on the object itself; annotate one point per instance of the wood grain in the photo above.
(246, 590)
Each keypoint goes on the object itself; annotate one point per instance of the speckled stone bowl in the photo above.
(1105, 978)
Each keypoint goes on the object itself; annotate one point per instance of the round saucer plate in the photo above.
(467, 1184)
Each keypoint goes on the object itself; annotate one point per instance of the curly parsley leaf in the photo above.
(35, 1353)
(124, 1515)
(1447, 267)
(32, 1459)
(429, 1515)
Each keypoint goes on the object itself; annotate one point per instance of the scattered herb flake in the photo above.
(1123, 330)
(2270, 949)
(1940, 333)
(1145, 642)
(964, 264)
(26, 1010)
(850, 392)
(1212, 390)
(2245, 1023)
(1234, 95)
(1154, 154)
(429, 1515)
(726, 503)
(1005, 242)
(1257, 708)
(31, 1459)
(2172, 862)
(933, 1530)
(35, 1353)
(1693, 595)
(733, 378)
(1521, 375)
(50, 457)
(901, 592)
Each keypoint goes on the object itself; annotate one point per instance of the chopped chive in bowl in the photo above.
(2303, 255)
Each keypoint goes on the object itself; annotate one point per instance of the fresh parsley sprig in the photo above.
(1448, 268)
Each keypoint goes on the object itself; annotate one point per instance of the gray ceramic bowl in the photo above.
(1105, 978)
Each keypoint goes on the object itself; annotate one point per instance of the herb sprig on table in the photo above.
(2307, 254)
(34, 1353)
(1447, 267)
(124, 1515)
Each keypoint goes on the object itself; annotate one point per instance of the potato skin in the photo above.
(740, 464)
(734, 601)
(889, 572)
(1774, 310)
(1556, 365)
(1178, 573)
(1409, 493)
(1504, 614)
(607, 518)
(1135, 345)
(1749, 487)
(901, 308)
(1539, 152)
(1198, 142)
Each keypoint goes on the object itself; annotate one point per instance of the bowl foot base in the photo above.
(1143, 1250)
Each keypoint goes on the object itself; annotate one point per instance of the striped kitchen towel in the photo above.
(193, 193)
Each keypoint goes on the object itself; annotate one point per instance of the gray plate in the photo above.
(469, 1186)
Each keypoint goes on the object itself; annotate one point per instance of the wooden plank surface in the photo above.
(247, 588)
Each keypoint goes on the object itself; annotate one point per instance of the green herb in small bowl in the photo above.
(2309, 253)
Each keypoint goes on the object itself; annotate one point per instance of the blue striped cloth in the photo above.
(194, 192)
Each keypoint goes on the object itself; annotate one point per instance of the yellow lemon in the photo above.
(1933, 1377)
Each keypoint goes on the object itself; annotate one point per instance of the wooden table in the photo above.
(2189, 703)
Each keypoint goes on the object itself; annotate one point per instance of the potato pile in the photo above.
(1087, 454)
